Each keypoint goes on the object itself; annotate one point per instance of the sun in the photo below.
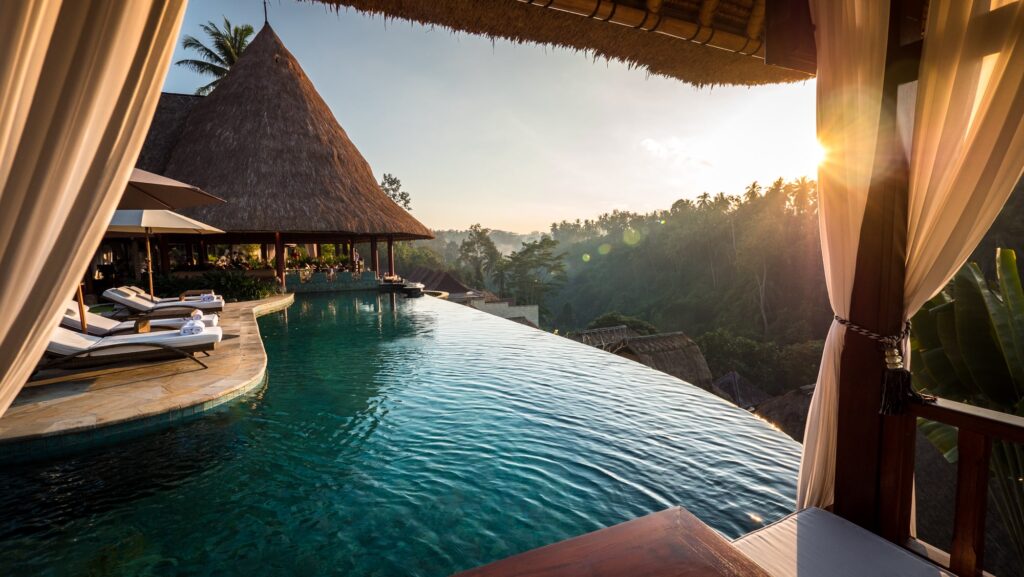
(819, 153)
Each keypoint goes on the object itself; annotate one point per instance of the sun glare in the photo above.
(820, 153)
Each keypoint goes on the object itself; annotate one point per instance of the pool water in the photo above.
(398, 437)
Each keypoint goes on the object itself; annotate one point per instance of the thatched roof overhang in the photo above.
(172, 111)
(701, 42)
(266, 142)
(287, 237)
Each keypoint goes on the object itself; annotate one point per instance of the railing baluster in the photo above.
(967, 551)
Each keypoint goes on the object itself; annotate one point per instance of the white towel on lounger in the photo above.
(193, 328)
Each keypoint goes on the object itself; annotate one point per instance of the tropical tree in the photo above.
(393, 188)
(226, 45)
(752, 193)
(475, 252)
(534, 271)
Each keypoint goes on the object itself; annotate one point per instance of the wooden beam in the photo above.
(374, 256)
(966, 554)
(656, 21)
(876, 304)
(789, 36)
(391, 256)
(279, 258)
(992, 424)
(896, 482)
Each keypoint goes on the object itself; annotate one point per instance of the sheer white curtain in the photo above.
(968, 147)
(79, 81)
(851, 38)
(967, 153)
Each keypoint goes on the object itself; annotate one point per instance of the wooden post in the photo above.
(81, 309)
(165, 255)
(149, 266)
(374, 256)
(263, 252)
(866, 442)
(352, 253)
(391, 256)
(201, 260)
(279, 257)
(967, 550)
(189, 258)
(337, 252)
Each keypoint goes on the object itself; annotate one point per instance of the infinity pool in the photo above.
(414, 437)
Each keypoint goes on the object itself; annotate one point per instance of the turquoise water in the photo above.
(414, 437)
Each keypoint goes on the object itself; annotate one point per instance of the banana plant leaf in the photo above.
(968, 345)
(977, 326)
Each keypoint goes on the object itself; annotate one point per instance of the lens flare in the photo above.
(820, 153)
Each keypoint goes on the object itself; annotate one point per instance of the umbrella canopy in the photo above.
(157, 222)
(146, 190)
(148, 222)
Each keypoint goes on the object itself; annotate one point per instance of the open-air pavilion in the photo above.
(920, 104)
(266, 142)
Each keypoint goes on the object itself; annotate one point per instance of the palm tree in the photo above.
(704, 201)
(215, 60)
(753, 192)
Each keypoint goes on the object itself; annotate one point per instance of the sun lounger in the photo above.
(102, 326)
(132, 303)
(815, 543)
(189, 295)
(70, 349)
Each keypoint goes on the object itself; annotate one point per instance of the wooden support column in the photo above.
(165, 255)
(391, 256)
(263, 252)
(874, 454)
(203, 253)
(374, 256)
(352, 253)
(337, 252)
(279, 257)
(968, 547)
(189, 256)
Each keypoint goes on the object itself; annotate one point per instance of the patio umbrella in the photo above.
(146, 191)
(148, 222)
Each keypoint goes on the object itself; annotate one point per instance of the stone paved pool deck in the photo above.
(68, 411)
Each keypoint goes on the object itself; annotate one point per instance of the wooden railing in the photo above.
(977, 428)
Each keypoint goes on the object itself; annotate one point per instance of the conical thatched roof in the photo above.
(266, 142)
(701, 42)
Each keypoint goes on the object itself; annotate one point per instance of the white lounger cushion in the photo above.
(101, 325)
(67, 342)
(145, 295)
(137, 302)
(816, 543)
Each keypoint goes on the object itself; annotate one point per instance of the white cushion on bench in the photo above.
(816, 543)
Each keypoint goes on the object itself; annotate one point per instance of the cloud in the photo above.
(676, 151)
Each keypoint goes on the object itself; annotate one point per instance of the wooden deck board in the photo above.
(669, 543)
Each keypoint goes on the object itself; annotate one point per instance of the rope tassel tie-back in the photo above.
(897, 388)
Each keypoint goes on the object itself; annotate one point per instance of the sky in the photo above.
(516, 137)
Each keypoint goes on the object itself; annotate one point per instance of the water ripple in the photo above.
(414, 438)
